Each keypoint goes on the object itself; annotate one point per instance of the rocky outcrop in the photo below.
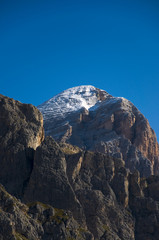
(111, 126)
(20, 123)
(21, 132)
(49, 183)
(117, 203)
(84, 183)
(36, 221)
(101, 185)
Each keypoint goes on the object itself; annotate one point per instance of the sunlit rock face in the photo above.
(94, 120)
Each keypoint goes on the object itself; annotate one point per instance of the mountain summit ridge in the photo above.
(74, 99)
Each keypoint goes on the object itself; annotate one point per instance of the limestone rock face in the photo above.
(101, 185)
(106, 124)
(21, 123)
(21, 131)
(49, 183)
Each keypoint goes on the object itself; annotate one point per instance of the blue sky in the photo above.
(49, 46)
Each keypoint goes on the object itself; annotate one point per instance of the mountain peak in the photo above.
(73, 99)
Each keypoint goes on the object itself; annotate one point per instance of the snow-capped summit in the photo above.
(71, 100)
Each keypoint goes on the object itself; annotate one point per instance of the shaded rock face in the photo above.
(85, 183)
(21, 131)
(101, 185)
(36, 221)
(21, 123)
(49, 183)
(117, 204)
(145, 206)
(112, 126)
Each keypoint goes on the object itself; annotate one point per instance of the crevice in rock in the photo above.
(133, 129)
(30, 153)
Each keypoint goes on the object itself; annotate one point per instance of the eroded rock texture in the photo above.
(49, 183)
(36, 221)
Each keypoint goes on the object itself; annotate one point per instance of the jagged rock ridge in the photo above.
(94, 120)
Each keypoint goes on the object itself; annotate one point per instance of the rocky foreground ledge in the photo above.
(58, 191)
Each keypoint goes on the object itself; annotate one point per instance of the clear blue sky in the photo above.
(49, 46)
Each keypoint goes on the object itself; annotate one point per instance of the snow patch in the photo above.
(71, 100)
(76, 98)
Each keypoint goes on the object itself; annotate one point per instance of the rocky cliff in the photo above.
(65, 192)
(21, 132)
(94, 120)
